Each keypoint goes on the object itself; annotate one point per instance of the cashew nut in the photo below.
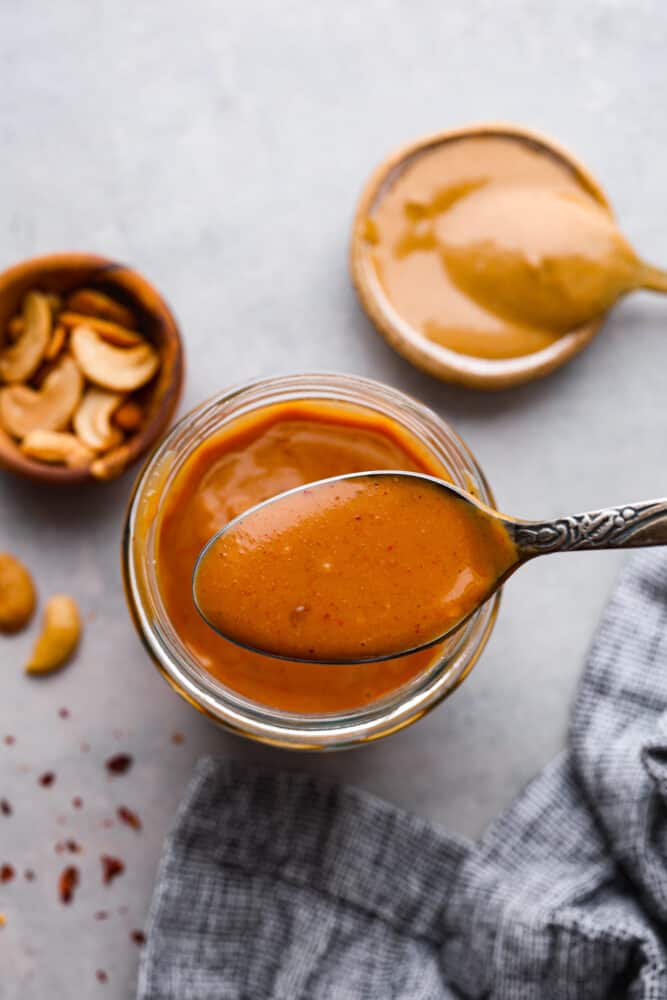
(59, 638)
(50, 408)
(19, 360)
(114, 334)
(17, 594)
(121, 369)
(14, 328)
(94, 303)
(57, 447)
(55, 303)
(56, 343)
(92, 420)
(129, 416)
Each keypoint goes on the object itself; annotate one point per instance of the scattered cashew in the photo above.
(120, 336)
(59, 638)
(57, 447)
(19, 360)
(17, 594)
(98, 304)
(129, 416)
(49, 408)
(121, 369)
(57, 342)
(92, 420)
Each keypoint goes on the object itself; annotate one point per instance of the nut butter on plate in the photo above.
(464, 254)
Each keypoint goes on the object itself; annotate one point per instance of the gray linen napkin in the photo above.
(274, 886)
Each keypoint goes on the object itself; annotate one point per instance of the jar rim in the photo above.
(257, 721)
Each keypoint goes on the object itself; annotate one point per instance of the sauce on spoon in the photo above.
(352, 569)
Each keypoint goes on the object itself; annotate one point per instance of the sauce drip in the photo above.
(347, 570)
(493, 247)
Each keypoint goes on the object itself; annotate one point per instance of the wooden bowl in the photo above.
(63, 273)
(445, 364)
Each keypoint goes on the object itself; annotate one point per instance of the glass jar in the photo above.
(452, 660)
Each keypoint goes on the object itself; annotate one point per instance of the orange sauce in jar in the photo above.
(256, 456)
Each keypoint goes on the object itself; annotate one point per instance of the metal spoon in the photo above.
(628, 526)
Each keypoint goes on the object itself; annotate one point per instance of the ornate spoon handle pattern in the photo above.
(629, 526)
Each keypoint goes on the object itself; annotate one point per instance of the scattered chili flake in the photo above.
(64, 713)
(101, 976)
(29, 875)
(77, 802)
(5, 807)
(69, 880)
(138, 937)
(10, 740)
(128, 817)
(120, 763)
(59, 847)
(6, 873)
(107, 823)
(47, 779)
(111, 868)
(73, 847)
(3, 920)
(102, 915)
(178, 738)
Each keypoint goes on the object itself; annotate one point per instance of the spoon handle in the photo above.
(653, 278)
(630, 526)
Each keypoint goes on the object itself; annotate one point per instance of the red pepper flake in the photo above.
(111, 868)
(64, 713)
(59, 847)
(47, 779)
(67, 883)
(73, 847)
(128, 817)
(5, 807)
(107, 823)
(10, 741)
(120, 763)
(138, 937)
(29, 875)
(77, 802)
(178, 738)
(6, 873)
(101, 976)
(102, 915)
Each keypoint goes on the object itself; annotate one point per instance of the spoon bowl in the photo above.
(276, 524)
(375, 565)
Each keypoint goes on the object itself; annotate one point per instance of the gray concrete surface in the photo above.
(219, 148)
